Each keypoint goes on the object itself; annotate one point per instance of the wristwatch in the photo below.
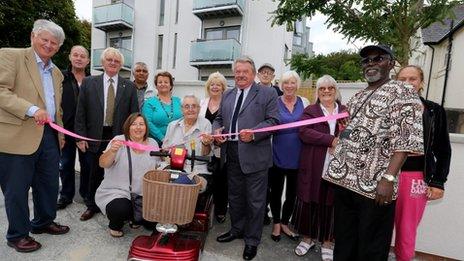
(389, 177)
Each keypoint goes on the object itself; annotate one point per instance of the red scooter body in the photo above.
(185, 244)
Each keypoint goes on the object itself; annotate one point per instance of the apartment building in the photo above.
(193, 38)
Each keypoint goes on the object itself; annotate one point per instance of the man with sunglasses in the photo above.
(385, 125)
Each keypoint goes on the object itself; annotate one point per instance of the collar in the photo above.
(44, 66)
(106, 78)
(324, 110)
(144, 87)
(181, 123)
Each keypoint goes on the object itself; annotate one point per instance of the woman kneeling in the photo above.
(113, 196)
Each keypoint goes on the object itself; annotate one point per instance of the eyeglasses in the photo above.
(266, 73)
(111, 60)
(329, 88)
(375, 59)
(190, 106)
(141, 70)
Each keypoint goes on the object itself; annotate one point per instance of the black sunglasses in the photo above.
(375, 59)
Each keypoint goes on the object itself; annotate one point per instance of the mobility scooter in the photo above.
(183, 215)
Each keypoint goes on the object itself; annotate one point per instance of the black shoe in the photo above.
(220, 218)
(267, 220)
(62, 203)
(227, 237)
(275, 238)
(249, 252)
(292, 236)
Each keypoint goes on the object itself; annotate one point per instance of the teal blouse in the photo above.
(159, 115)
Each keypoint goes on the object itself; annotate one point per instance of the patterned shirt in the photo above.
(382, 122)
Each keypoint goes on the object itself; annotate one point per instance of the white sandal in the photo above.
(327, 254)
(303, 248)
(116, 233)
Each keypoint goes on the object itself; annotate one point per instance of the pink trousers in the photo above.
(410, 206)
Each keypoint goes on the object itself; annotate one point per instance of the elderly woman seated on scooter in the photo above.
(186, 132)
(113, 196)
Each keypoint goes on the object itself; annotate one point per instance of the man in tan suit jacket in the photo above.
(30, 94)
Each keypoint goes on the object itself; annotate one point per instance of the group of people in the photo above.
(346, 184)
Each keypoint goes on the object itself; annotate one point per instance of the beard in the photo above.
(375, 77)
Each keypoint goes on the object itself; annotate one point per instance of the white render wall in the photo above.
(265, 44)
(441, 231)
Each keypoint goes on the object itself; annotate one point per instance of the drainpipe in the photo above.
(430, 72)
(450, 46)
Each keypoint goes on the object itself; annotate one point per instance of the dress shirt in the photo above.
(46, 77)
(245, 94)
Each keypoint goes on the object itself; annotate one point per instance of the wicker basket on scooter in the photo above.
(168, 203)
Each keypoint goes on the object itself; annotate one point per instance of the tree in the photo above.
(343, 65)
(17, 19)
(391, 22)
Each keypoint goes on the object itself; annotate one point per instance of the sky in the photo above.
(324, 40)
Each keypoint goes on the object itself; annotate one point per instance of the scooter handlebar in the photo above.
(189, 157)
(200, 158)
(160, 153)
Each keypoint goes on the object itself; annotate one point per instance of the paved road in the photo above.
(90, 241)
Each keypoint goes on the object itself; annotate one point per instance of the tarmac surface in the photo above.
(90, 240)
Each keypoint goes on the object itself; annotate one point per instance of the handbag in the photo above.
(136, 199)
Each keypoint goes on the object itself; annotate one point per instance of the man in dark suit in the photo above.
(105, 101)
(73, 77)
(247, 156)
(30, 94)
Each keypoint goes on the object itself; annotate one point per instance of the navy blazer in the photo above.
(90, 105)
(258, 110)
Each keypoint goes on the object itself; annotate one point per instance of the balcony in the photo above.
(214, 52)
(206, 9)
(113, 17)
(128, 54)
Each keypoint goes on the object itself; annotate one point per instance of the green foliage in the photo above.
(17, 19)
(343, 65)
(391, 22)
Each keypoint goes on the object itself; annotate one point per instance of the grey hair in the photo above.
(245, 59)
(141, 64)
(80, 47)
(286, 76)
(192, 97)
(327, 79)
(49, 26)
(111, 51)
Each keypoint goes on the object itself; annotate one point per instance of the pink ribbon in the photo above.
(293, 124)
(144, 147)
(128, 143)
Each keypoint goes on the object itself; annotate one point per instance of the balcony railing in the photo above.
(218, 8)
(128, 54)
(113, 17)
(214, 52)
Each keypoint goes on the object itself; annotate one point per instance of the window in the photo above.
(297, 40)
(161, 17)
(298, 27)
(174, 56)
(222, 33)
(177, 11)
(160, 52)
(121, 42)
(455, 118)
(286, 53)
